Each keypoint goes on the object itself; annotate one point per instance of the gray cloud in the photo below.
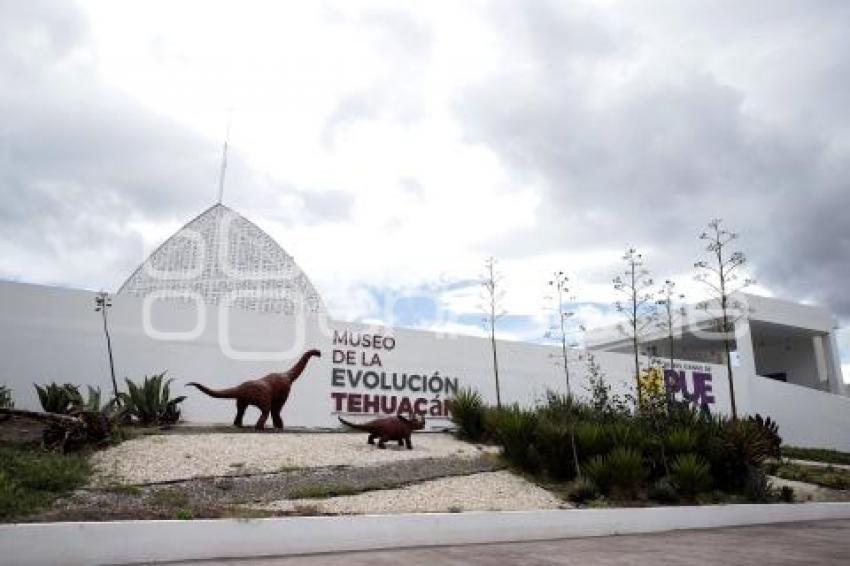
(649, 160)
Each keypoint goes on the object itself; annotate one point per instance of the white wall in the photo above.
(49, 334)
(806, 417)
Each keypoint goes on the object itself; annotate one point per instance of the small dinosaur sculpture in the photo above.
(389, 428)
(268, 393)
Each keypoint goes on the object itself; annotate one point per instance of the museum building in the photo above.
(220, 301)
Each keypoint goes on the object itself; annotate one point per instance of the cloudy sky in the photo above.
(390, 146)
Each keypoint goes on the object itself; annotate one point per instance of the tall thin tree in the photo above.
(562, 328)
(492, 300)
(103, 302)
(638, 308)
(721, 274)
(667, 299)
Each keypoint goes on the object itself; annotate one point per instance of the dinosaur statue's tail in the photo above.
(230, 393)
(352, 425)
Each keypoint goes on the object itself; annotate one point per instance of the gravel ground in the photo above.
(488, 491)
(810, 492)
(164, 458)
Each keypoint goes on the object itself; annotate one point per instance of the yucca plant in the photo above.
(150, 403)
(514, 429)
(681, 440)
(55, 398)
(623, 434)
(626, 469)
(770, 431)
(690, 474)
(467, 413)
(92, 403)
(591, 440)
(598, 472)
(554, 441)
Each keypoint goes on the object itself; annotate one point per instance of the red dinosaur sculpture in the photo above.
(267, 393)
(389, 428)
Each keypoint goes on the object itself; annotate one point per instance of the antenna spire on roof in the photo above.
(224, 159)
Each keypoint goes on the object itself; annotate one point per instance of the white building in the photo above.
(220, 302)
(773, 339)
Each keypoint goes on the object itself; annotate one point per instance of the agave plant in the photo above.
(514, 429)
(149, 403)
(690, 474)
(57, 398)
(467, 411)
(769, 431)
(92, 403)
(681, 440)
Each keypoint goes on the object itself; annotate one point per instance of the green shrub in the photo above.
(563, 408)
(55, 398)
(468, 414)
(6, 401)
(769, 430)
(624, 434)
(756, 485)
(626, 469)
(681, 440)
(150, 403)
(690, 475)
(828, 476)
(591, 440)
(92, 403)
(663, 491)
(32, 478)
(581, 491)
(598, 472)
(514, 429)
(816, 454)
(554, 446)
(734, 447)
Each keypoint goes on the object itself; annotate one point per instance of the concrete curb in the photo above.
(150, 541)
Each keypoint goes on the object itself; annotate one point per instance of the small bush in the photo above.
(581, 491)
(786, 494)
(598, 472)
(690, 475)
(681, 440)
(92, 404)
(592, 440)
(514, 429)
(55, 398)
(816, 454)
(623, 434)
(150, 403)
(756, 485)
(830, 477)
(663, 491)
(32, 478)
(769, 430)
(554, 440)
(468, 414)
(626, 469)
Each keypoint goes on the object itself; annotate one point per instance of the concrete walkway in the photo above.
(820, 542)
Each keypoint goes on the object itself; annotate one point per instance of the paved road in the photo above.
(820, 542)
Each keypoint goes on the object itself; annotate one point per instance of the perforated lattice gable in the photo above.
(220, 257)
